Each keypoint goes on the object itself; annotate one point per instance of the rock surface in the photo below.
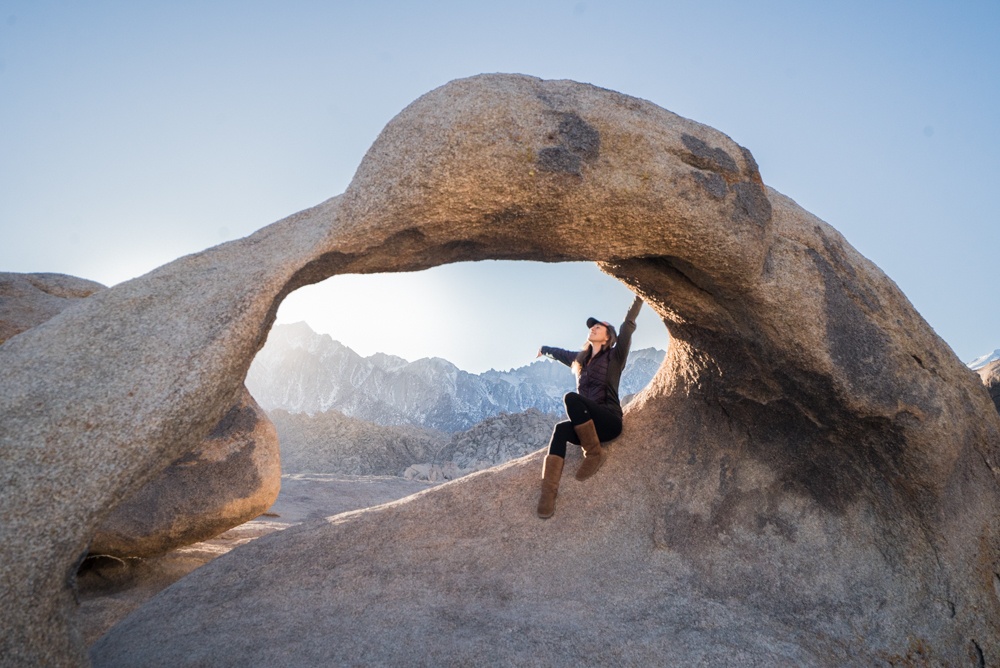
(231, 477)
(109, 589)
(28, 300)
(991, 379)
(811, 478)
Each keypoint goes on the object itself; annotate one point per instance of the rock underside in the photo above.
(229, 478)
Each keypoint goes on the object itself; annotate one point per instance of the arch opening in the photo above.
(336, 361)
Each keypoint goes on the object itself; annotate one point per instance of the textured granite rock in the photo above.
(28, 300)
(231, 477)
(811, 478)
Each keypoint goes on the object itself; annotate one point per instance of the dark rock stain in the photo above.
(681, 270)
(577, 142)
(727, 475)
(857, 345)
(977, 655)
(713, 184)
(704, 157)
(994, 389)
(858, 288)
(752, 205)
(559, 159)
(579, 137)
(816, 445)
(778, 524)
(239, 418)
(462, 248)
(751, 169)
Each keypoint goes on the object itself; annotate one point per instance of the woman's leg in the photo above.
(562, 433)
(592, 423)
(552, 467)
(606, 421)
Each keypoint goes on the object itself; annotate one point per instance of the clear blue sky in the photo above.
(135, 132)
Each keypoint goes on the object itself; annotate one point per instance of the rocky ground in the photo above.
(109, 589)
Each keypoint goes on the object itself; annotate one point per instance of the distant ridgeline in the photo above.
(300, 371)
(982, 361)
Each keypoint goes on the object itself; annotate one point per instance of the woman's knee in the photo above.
(576, 408)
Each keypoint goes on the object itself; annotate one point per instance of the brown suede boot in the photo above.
(551, 473)
(593, 453)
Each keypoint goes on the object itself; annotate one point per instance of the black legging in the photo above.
(580, 409)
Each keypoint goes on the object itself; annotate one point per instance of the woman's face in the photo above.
(598, 334)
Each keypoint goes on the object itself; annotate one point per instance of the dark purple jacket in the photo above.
(599, 379)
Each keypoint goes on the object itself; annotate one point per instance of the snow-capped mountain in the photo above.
(300, 371)
(980, 362)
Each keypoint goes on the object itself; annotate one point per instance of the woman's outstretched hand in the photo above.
(633, 310)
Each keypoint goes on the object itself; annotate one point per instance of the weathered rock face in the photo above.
(233, 476)
(28, 300)
(991, 379)
(230, 478)
(811, 478)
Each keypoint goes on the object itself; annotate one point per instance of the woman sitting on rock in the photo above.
(594, 410)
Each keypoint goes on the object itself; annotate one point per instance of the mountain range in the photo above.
(982, 361)
(300, 371)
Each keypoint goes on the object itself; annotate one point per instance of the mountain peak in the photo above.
(983, 360)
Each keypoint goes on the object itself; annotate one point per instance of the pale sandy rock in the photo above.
(811, 478)
(233, 476)
(28, 300)
(991, 379)
(109, 589)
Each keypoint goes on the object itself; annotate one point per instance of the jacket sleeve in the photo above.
(625, 332)
(565, 356)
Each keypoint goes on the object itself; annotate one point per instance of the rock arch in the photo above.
(812, 474)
